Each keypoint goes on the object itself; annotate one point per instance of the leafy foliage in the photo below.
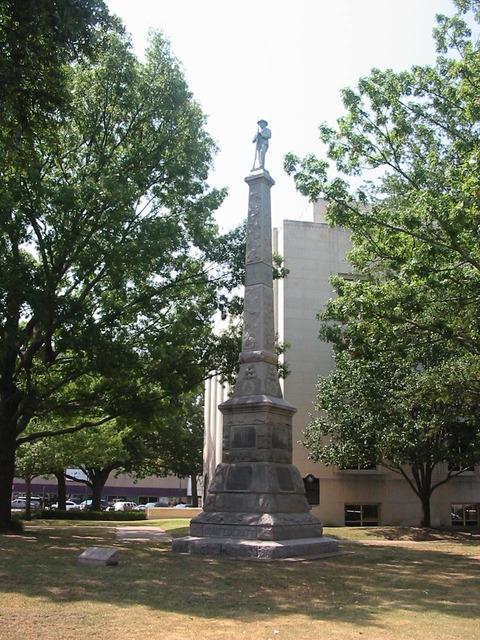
(415, 227)
(111, 262)
(409, 141)
(414, 413)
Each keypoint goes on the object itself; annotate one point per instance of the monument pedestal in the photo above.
(256, 505)
(257, 549)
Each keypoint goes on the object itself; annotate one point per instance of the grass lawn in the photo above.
(402, 584)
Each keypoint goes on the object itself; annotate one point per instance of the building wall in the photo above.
(313, 252)
(122, 486)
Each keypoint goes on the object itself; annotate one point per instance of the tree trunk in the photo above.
(425, 500)
(28, 496)
(98, 477)
(422, 486)
(7, 468)
(194, 490)
(61, 489)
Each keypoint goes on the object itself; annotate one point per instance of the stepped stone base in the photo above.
(256, 526)
(256, 549)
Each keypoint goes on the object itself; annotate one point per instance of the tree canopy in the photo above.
(413, 137)
(402, 173)
(111, 263)
(414, 412)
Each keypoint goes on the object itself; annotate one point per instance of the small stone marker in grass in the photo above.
(100, 556)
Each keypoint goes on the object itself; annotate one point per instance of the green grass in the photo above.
(394, 584)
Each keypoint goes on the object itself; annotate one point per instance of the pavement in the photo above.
(138, 534)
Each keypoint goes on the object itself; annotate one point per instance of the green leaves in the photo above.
(405, 330)
(111, 264)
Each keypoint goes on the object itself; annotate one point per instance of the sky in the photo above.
(283, 61)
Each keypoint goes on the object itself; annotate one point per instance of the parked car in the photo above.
(181, 505)
(70, 505)
(149, 505)
(87, 504)
(124, 506)
(21, 503)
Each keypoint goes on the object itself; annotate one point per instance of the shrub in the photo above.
(58, 514)
(16, 525)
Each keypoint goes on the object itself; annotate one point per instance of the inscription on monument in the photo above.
(239, 478)
(285, 480)
(243, 437)
(279, 438)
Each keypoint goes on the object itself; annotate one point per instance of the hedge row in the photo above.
(59, 514)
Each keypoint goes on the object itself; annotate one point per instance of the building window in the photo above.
(145, 499)
(465, 515)
(312, 489)
(361, 515)
(360, 466)
(457, 467)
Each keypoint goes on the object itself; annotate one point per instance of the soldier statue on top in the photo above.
(261, 139)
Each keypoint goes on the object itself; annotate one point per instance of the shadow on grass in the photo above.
(354, 588)
(414, 534)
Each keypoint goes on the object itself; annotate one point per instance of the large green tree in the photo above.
(38, 38)
(110, 260)
(97, 451)
(169, 441)
(174, 444)
(411, 140)
(415, 412)
(402, 173)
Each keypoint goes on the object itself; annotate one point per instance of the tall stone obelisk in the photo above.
(256, 504)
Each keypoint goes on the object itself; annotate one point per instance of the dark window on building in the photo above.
(145, 499)
(312, 489)
(465, 515)
(360, 466)
(457, 467)
(361, 515)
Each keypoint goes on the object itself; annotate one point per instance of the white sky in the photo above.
(284, 61)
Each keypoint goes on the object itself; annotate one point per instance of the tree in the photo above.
(97, 453)
(415, 223)
(410, 143)
(170, 443)
(414, 413)
(37, 39)
(111, 263)
(173, 445)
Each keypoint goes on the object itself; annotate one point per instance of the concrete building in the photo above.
(313, 251)
(122, 487)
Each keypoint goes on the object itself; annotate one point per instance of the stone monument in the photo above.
(256, 505)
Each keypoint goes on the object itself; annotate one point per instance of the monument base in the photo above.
(256, 526)
(257, 549)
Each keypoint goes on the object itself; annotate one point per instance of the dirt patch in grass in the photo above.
(418, 534)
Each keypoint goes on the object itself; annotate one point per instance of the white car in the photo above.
(70, 505)
(21, 503)
(125, 506)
